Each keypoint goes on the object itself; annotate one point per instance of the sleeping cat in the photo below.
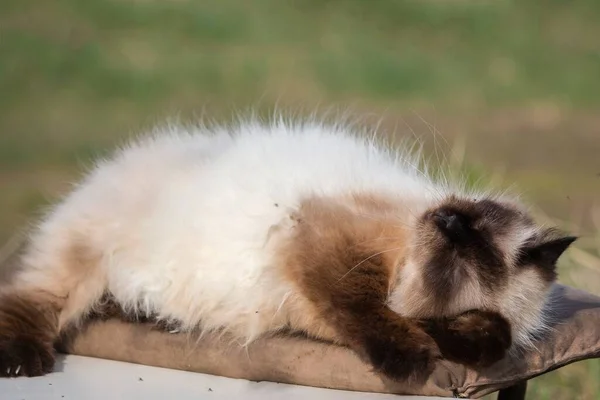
(260, 228)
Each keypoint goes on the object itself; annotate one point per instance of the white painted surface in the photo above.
(83, 378)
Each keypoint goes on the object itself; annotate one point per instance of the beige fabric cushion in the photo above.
(576, 336)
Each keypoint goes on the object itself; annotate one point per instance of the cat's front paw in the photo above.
(475, 338)
(25, 356)
(409, 358)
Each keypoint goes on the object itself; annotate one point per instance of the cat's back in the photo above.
(248, 166)
(225, 187)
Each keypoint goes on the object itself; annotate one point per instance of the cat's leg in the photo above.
(476, 338)
(351, 299)
(58, 282)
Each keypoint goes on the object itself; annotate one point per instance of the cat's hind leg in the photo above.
(56, 285)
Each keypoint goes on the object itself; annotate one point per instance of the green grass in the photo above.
(517, 79)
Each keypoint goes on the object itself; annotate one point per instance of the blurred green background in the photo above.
(511, 88)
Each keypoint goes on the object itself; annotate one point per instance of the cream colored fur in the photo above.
(185, 224)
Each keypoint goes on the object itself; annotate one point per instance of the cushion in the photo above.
(292, 359)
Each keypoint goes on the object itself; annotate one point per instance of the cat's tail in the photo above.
(51, 289)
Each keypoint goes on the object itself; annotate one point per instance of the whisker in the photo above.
(367, 259)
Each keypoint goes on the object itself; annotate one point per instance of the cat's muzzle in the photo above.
(453, 225)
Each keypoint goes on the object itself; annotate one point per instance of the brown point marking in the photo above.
(342, 263)
(28, 328)
(374, 203)
(475, 338)
(32, 317)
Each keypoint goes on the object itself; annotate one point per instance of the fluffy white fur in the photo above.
(181, 222)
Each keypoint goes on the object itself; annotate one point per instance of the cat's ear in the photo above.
(546, 253)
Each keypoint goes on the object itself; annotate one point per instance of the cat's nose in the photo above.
(452, 224)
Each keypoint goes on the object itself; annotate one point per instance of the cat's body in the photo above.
(271, 227)
(192, 227)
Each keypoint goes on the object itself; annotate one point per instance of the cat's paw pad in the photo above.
(25, 357)
(411, 361)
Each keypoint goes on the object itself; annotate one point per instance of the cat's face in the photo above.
(469, 253)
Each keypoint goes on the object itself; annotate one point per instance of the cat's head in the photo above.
(480, 253)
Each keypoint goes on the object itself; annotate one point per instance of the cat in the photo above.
(262, 227)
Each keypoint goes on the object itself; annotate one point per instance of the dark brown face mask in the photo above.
(468, 238)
